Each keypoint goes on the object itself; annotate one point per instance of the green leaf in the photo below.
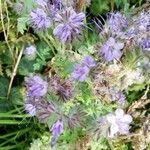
(26, 66)
(22, 24)
(5, 57)
(4, 83)
(137, 87)
(44, 54)
(16, 96)
(52, 119)
(99, 6)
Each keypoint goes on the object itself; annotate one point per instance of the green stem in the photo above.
(11, 122)
(6, 115)
(48, 43)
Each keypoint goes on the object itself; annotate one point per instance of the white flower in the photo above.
(119, 122)
(30, 52)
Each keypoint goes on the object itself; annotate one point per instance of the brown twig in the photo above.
(80, 5)
(15, 71)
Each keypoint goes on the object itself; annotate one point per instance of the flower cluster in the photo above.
(65, 22)
(110, 77)
(36, 88)
(82, 70)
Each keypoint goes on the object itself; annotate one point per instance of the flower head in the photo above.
(119, 122)
(131, 33)
(117, 22)
(89, 62)
(30, 52)
(36, 86)
(118, 96)
(31, 109)
(69, 25)
(31, 105)
(112, 50)
(143, 22)
(39, 19)
(57, 129)
(80, 72)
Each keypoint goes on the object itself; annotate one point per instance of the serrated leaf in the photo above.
(99, 6)
(22, 24)
(16, 96)
(26, 66)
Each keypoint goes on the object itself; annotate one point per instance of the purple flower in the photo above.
(131, 33)
(80, 72)
(55, 7)
(40, 20)
(145, 44)
(30, 52)
(57, 4)
(143, 22)
(36, 86)
(31, 109)
(30, 105)
(89, 62)
(112, 50)
(119, 122)
(57, 129)
(118, 96)
(69, 25)
(117, 22)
